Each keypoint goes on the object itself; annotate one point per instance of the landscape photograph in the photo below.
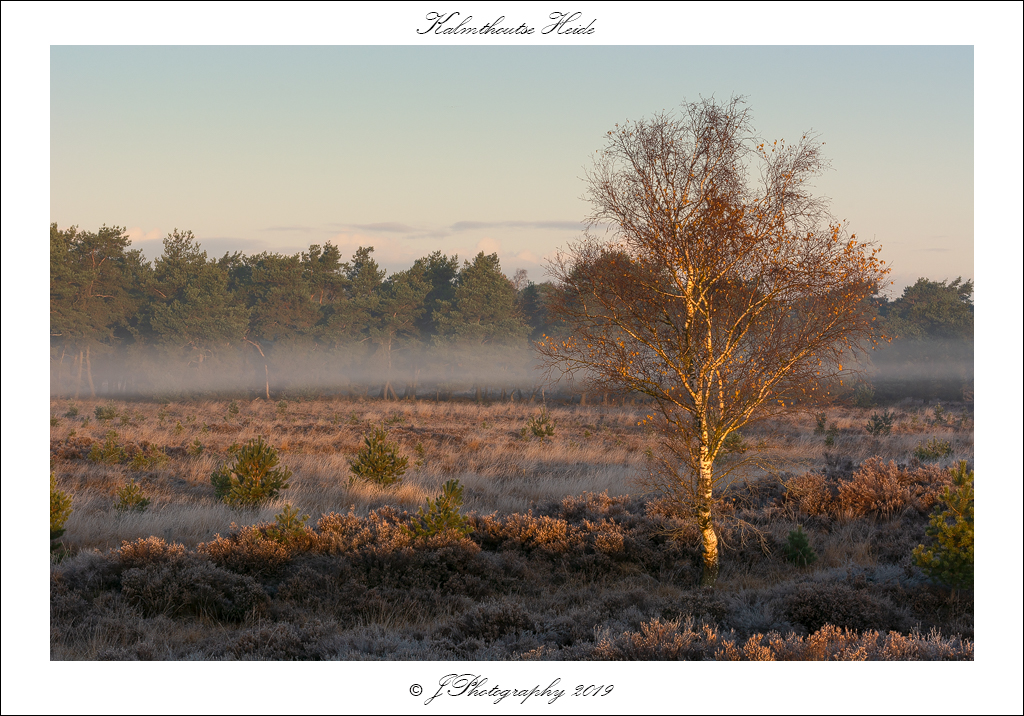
(463, 357)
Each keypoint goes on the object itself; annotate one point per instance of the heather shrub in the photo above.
(192, 586)
(60, 508)
(950, 558)
(839, 604)
(442, 514)
(247, 550)
(379, 460)
(811, 492)
(875, 487)
(382, 529)
(659, 641)
(798, 550)
(130, 498)
(148, 550)
(489, 622)
(884, 489)
(253, 478)
(282, 642)
(526, 533)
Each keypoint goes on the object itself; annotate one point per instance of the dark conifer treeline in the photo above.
(932, 353)
(186, 322)
(120, 325)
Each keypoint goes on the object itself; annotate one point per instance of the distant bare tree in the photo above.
(723, 299)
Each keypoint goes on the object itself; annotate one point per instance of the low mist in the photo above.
(352, 370)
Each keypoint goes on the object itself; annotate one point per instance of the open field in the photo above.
(567, 558)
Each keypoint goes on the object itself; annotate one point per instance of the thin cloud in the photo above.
(305, 229)
(556, 225)
(392, 227)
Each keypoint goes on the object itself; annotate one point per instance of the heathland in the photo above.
(564, 553)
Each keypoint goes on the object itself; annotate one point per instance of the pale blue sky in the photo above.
(413, 149)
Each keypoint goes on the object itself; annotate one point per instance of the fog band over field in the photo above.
(922, 369)
(353, 370)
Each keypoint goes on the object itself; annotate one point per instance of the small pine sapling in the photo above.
(733, 443)
(798, 549)
(130, 498)
(105, 412)
(880, 425)
(442, 514)
(110, 451)
(378, 460)
(252, 479)
(288, 524)
(831, 434)
(819, 424)
(60, 508)
(542, 425)
(949, 559)
(934, 449)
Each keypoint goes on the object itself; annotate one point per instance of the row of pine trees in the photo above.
(121, 324)
(187, 322)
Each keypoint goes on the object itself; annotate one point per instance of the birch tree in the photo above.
(722, 287)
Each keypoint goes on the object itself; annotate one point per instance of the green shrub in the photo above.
(798, 550)
(733, 443)
(950, 558)
(130, 498)
(880, 425)
(72, 411)
(252, 479)
(233, 408)
(60, 508)
(110, 451)
(105, 412)
(378, 460)
(442, 514)
(54, 421)
(288, 524)
(195, 448)
(542, 425)
(934, 449)
(148, 460)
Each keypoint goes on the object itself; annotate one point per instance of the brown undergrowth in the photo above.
(552, 568)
